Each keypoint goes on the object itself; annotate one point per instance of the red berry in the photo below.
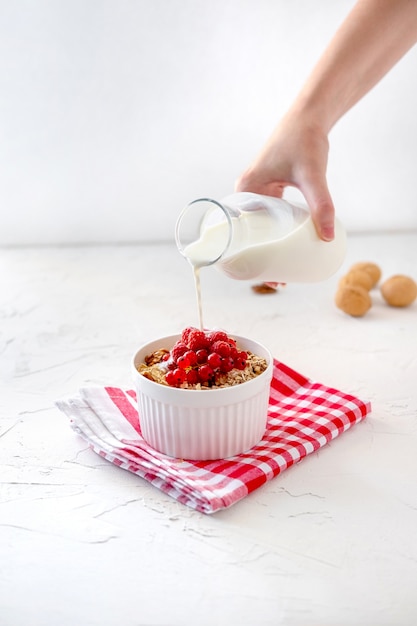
(186, 333)
(192, 377)
(197, 340)
(214, 360)
(170, 378)
(205, 373)
(180, 376)
(226, 364)
(183, 362)
(216, 335)
(240, 363)
(201, 356)
(222, 348)
(192, 357)
(178, 350)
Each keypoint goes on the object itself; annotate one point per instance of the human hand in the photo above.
(295, 155)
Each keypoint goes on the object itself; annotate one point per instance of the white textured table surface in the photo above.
(332, 541)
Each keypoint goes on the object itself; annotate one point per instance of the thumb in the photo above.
(321, 206)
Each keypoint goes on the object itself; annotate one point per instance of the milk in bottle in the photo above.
(252, 237)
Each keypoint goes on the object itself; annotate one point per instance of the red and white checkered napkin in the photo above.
(303, 416)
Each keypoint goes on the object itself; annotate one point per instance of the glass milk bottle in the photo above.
(252, 237)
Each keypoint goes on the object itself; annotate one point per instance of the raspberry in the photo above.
(178, 350)
(197, 340)
(186, 333)
(222, 348)
(217, 335)
(205, 373)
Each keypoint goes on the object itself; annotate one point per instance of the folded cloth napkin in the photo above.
(303, 416)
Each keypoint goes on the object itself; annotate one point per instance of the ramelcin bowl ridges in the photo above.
(203, 424)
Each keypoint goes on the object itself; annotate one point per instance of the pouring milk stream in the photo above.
(252, 237)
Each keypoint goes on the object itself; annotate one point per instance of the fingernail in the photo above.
(327, 233)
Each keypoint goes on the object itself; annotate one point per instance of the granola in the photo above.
(155, 368)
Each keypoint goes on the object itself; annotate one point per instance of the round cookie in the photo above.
(358, 277)
(353, 300)
(399, 290)
(370, 268)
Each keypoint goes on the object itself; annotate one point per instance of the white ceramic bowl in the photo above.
(202, 424)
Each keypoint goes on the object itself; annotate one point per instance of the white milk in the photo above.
(197, 284)
(270, 247)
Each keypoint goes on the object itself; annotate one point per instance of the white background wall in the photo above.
(115, 113)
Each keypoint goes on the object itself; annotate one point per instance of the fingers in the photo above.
(310, 179)
(250, 181)
(321, 206)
